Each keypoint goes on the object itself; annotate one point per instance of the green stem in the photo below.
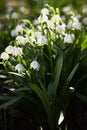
(50, 52)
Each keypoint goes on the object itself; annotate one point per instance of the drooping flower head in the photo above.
(68, 38)
(45, 11)
(15, 51)
(14, 33)
(35, 65)
(19, 67)
(21, 40)
(42, 18)
(4, 56)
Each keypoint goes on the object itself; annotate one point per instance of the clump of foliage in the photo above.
(41, 63)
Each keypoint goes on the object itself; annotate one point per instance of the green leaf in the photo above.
(17, 74)
(22, 89)
(52, 88)
(42, 86)
(3, 76)
(84, 44)
(45, 101)
(69, 78)
(10, 102)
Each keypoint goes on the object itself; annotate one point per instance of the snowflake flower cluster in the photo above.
(47, 31)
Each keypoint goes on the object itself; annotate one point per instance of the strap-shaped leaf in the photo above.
(69, 78)
(3, 76)
(52, 88)
(17, 74)
(12, 101)
(45, 101)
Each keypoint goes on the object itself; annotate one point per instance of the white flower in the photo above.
(35, 65)
(85, 20)
(19, 28)
(61, 28)
(4, 56)
(19, 67)
(39, 28)
(69, 38)
(42, 18)
(77, 26)
(45, 11)
(67, 10)
(9, 49)
(21, 40)
(56, 19)
(74, 24)
(50, 24)
(41, 40)
(14, 15)
(84, 9)
(78, 16)
(36, 22)
(63, 18)
(14, 33)
(17, 51)
(22, 9)
(38, 34)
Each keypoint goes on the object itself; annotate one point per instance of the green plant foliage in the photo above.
(42, 62)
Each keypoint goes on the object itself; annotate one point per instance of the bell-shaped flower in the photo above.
(14, 15)
(41, 40)
(74, 23)
(4, 56)
(85, 21)
(19, 67)
(61, 28)
(35, 65)
(50, 24)
(56, 19)
(45, 11)
(42, 18)
(19, 27)
(14, 33)
(9, 49)
(69, 38)
(22, 9)
(21, 40)
(67, 9)
(17, 51)
(84, 9)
